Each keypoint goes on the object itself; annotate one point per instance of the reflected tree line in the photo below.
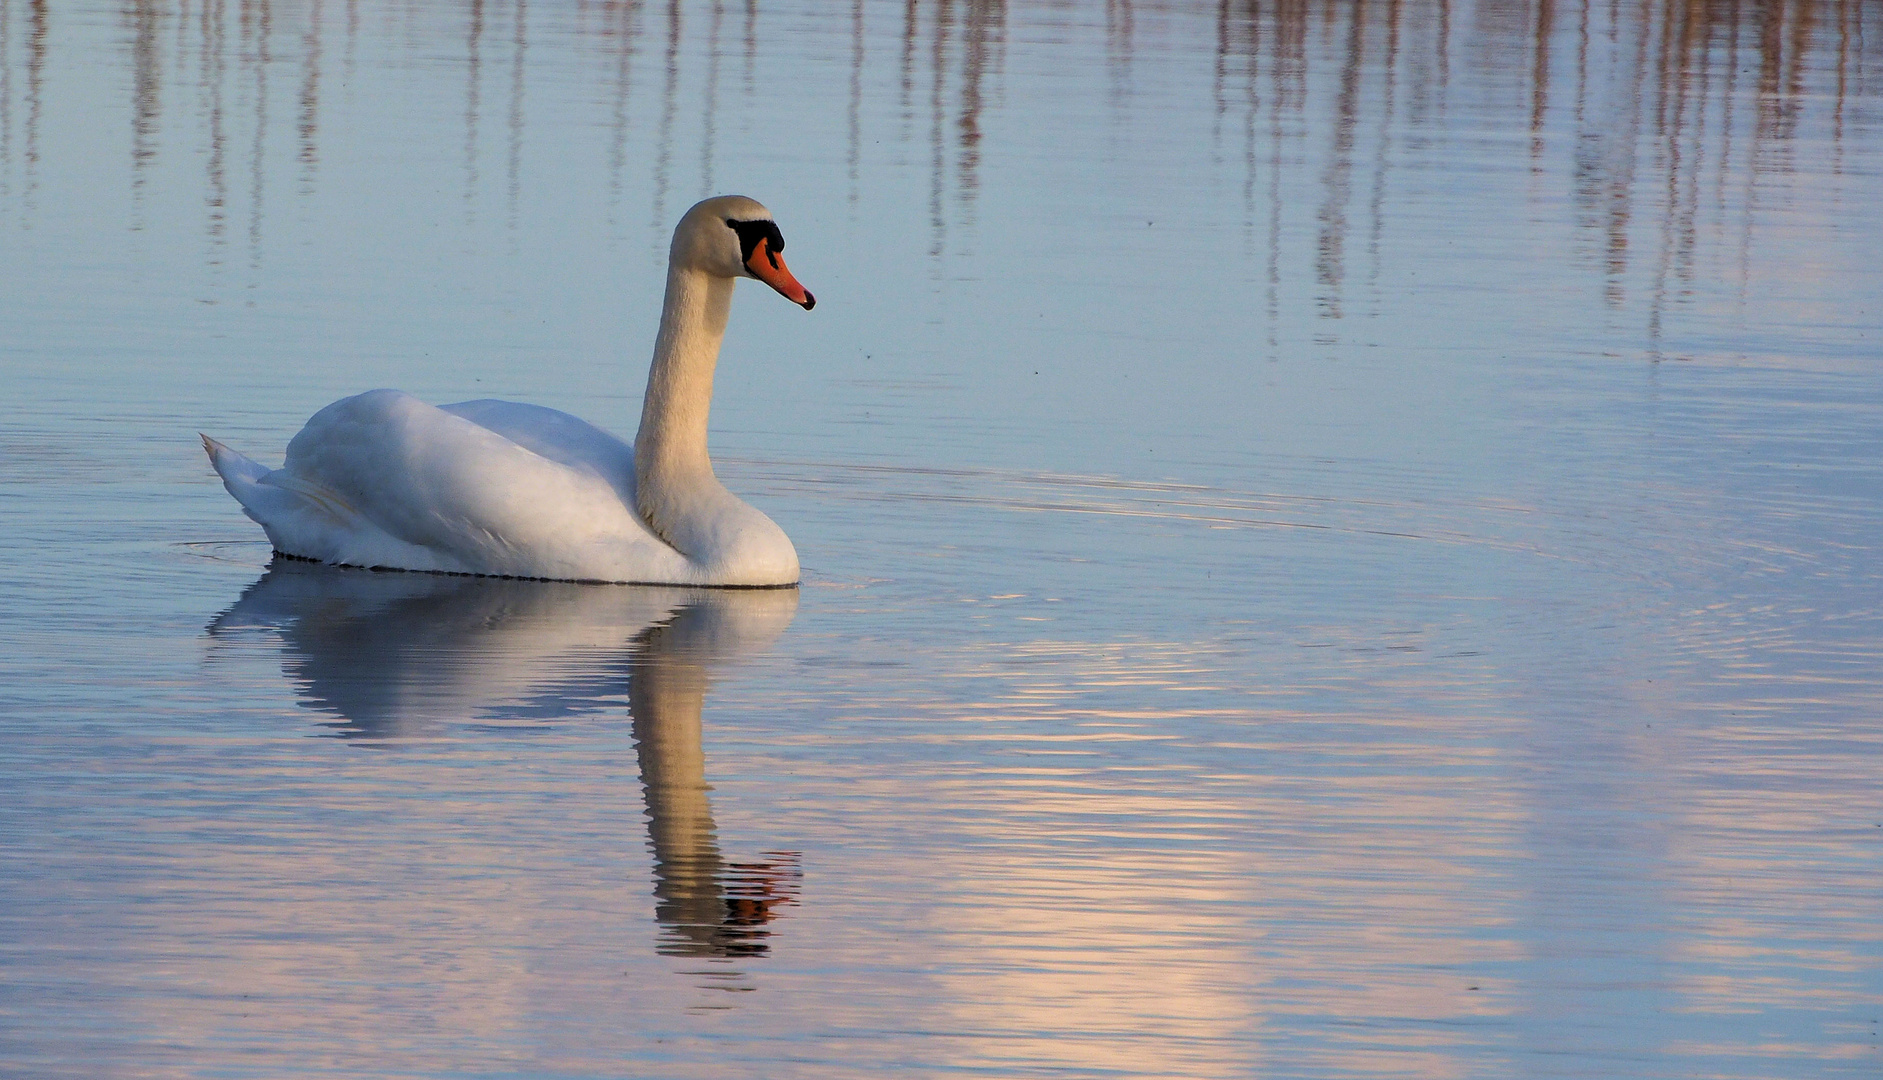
(23, 35)
(1667, 113)
(1665, 110)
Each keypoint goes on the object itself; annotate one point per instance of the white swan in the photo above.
(495, 487)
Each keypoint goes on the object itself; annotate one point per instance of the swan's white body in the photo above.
(495, 487)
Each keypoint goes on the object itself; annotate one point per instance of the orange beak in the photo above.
(766, 266)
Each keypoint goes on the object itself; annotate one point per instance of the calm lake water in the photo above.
(1340, 540)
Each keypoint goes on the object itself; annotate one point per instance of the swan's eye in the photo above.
(751, 232)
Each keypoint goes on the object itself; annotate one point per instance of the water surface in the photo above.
(1340, 540)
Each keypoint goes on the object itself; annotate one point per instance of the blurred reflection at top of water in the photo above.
(1669, 117)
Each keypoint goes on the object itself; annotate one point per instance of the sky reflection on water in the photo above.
(1341, 540)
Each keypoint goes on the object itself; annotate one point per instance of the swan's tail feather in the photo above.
(231, 465)
(291, 510)
(308, 520)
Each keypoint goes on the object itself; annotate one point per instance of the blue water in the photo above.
(1339, 540)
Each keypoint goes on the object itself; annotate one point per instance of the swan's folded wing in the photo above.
(557, 436)
(447, 485)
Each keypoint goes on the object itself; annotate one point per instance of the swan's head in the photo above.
(732, 236)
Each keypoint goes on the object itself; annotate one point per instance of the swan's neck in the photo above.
(671, 469)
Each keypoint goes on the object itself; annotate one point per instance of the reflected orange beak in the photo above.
(769, 268)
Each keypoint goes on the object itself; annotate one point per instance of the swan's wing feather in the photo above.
(461, 495)
(556, 435)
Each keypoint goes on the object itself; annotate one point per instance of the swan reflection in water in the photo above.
(397, 656)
